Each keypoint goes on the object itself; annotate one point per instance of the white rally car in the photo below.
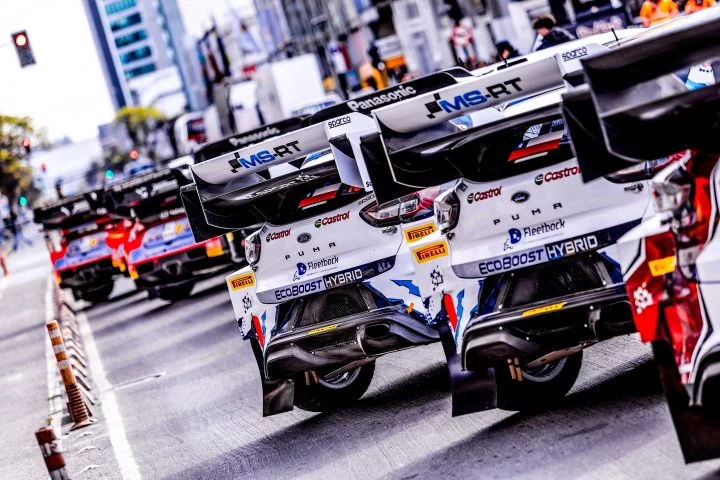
(523, 269)
(329, 286)
(658, 96)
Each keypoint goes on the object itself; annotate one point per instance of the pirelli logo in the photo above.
(416, 233)
(323, 329)
(241, 281)
(662, 266)
(430, 252)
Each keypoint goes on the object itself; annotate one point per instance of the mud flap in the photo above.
(698, 429)
(278, 395)
(471, 391)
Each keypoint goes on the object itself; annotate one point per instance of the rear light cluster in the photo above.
(447, 210)
(641, 171)
(252, 245)
(409, 208)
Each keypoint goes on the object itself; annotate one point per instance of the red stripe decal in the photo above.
(258, 330)
(305, 202)
(450, 310)
(534, 149)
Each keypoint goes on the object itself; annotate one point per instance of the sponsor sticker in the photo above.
(662, 266)
(326, 328)
(432, 251)
(416, 233)
(241, 281)
(263, 156)
(343, 278)
(573, 54)
(316, 266)
(478, 196)
(471, 98)
(297, 290)
(277, 235)
(544, 309)
(557, 175)
(339, 121)
(332, 219)
(369, 103)
(516, 235)
(572, 246)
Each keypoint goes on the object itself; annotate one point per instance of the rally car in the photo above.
(161, 254)
(521, 275)
(330, 283)
(85, 244)
(653, 98)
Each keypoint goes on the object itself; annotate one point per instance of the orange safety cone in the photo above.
(54, 460)
(78, 409)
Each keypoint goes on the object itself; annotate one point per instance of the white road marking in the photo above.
(121, 447)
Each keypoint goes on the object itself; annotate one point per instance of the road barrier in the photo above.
(69, 353)
(54, 460)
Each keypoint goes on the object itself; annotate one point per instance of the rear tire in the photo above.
(95, 296)
(174, 294)
(539, 387)
(331, 394)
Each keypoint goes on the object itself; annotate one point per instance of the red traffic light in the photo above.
(43, 167)
(134, 154)
(21, 40)
(22, 47)
(26, 142)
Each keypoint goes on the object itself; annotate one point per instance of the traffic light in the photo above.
(23, 49)
(109, 174)
(43, 168)
(26, 145)
(22, 200)
(134, 154)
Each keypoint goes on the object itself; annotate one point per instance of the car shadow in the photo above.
(392, 410)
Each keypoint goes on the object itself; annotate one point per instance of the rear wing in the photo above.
(149, 197)
(407, 153)
(639, 95)
(72, 211)
(248, 178)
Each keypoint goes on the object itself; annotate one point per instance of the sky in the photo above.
(65, 91)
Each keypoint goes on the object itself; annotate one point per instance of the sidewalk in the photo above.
(24, 378)
(30, 372)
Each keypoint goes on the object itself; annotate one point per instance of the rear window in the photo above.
(515, 152)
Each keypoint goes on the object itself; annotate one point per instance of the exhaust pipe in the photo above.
(377, 331)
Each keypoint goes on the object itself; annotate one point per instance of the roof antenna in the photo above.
(506, 62)
(612, 29)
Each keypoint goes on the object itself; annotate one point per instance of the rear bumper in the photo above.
(537, 329)
(176, 270)
(334, 344)
(91, 276)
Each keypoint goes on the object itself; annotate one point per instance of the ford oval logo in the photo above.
(304, 238)
(520, 197)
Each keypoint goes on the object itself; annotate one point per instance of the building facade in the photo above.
(135, 40)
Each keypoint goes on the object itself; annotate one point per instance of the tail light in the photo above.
(671, 192)
(253, 246)
(214, 247)
(641, 171)
(447, 210)
(407, 209)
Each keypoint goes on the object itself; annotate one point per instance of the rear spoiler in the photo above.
(243, 178)
(71, 211)
(407, 154)
(148, 197)
(646, 113)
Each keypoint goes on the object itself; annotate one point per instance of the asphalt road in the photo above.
(189, 397)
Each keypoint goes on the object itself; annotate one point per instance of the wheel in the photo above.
(174, 294)
(332, 393)
(539, 387)
(97, 295)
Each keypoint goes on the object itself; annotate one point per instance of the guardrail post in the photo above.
(54, 460)
(78, 409)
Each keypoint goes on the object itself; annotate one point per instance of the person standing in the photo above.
(16, 229)
(693, 6)
(653, 12)
(549, 34)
